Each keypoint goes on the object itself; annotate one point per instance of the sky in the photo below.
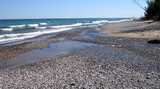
(27, 9)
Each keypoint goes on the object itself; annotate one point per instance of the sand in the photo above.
(134, 29)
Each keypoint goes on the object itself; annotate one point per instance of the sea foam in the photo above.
(66, 26)
(32, 25)
(17, 37)
(6, 29)
(100, 21)
(42, 24)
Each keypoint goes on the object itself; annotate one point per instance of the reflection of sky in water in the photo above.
(52, 51)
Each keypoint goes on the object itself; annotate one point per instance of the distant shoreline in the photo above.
(68, 18)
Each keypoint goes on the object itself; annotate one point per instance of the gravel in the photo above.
(77, 72)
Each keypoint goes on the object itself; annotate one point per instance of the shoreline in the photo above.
(109, 56)
(133, 29)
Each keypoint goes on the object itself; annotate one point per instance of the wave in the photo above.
(6, 38)
(41, 27)
(46, 26)
(66, 26)
(17, 26)
(24, 26)
(107, 21)
(42, 24)
(123, 20)
(32, 25)
(100, 21)
(6, 29)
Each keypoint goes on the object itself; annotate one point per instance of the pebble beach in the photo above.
(110, 56)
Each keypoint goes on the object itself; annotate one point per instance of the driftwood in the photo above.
(155, 41)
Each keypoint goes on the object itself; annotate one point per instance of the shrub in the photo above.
(153, 10)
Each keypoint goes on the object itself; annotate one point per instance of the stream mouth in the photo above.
(51, 51)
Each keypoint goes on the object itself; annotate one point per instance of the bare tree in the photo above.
(138, 4)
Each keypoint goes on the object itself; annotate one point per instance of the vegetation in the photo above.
(152, 11)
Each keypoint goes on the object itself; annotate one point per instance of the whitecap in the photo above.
(17, 37)
(66, 26)
(43, 24)
(122, 20)
(6, 29)
(100, 21)
(42, 27)
(32, 25)
(17, 26)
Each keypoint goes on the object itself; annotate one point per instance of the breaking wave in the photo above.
(43, 28)
(6, 38)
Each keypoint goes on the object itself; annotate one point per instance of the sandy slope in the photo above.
(133, 29)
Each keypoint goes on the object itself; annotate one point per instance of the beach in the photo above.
(109, 56)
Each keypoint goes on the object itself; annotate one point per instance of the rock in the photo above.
(154, 41)
(148, 77)
(72, 84)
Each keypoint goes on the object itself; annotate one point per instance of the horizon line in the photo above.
(65, 18)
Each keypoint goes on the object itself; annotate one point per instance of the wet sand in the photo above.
(85, 58)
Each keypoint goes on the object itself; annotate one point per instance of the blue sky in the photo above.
(13, 9)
